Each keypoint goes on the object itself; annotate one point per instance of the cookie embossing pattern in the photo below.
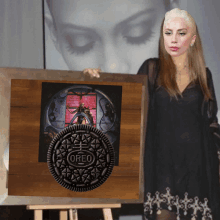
(80, 158)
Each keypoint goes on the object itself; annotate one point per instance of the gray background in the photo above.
(21, 43)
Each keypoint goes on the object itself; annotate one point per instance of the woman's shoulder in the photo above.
(151, 61)
(208, 72)
(148, 64)
(209, 75)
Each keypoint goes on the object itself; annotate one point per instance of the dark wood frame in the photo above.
(23, 175)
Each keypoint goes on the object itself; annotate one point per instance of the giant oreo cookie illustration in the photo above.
(80, 158)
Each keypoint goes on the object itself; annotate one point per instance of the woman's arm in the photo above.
(150, 68)
(69, 110)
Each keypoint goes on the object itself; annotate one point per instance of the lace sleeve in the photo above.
(212, 112)
(150, 68)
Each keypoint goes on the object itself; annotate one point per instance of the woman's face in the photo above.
(178, 36)
(115, 35)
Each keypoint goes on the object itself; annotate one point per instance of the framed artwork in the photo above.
(44, 102)
(64, 104)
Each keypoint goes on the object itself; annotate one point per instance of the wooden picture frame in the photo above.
(30, 179)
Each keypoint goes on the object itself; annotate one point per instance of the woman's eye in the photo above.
(182, 34)
(139, 40)
(168, 33)
(79, 43)
(138, 34)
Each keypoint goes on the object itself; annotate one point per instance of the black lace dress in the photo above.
(178, 173)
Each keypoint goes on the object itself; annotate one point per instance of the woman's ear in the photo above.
(193, 39)
(53, 32)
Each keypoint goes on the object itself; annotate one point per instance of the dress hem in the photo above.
(180, 205)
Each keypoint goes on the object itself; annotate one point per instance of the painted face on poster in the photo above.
(116, 36)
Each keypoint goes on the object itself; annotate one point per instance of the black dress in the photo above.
(178, 173)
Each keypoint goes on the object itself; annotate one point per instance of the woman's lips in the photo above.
(174, 48)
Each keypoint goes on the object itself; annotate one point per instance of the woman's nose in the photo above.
(111, 60)
(174, 38)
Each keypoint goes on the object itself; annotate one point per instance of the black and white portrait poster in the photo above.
(119, 35)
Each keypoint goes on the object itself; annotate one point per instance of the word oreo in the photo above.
(80, 158)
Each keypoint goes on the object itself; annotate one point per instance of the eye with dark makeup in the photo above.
(180, 33)
(168, 33)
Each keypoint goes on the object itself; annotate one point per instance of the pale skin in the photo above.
(176, 33)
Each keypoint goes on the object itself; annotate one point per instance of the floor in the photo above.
(127, 212)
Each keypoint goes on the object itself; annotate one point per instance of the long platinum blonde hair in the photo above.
(196, 61)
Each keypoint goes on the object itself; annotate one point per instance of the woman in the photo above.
(181, 163)
(114, 35)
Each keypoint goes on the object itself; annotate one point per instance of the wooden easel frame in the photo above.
(73, 215)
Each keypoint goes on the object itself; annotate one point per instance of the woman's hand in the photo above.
(93, 72)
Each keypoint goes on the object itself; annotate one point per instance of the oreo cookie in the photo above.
(80, 158)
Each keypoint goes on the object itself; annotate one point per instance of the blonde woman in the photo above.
(181, 161)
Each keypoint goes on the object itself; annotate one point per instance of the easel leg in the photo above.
(107, 214)
(38, 214)
(73, 214)
(63, 215)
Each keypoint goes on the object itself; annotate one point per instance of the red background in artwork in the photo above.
(73, 101)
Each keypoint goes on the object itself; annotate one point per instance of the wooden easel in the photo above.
(73, 215)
